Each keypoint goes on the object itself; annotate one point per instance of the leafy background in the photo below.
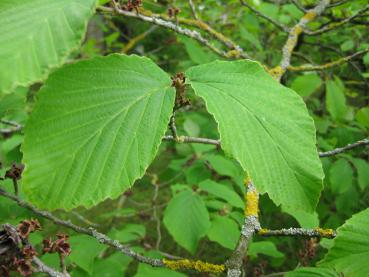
(197, 185)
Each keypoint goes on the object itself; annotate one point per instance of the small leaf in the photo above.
(267, 248)
(306, 84)
(96, 127)
(335, 99)
(363, 116)
(362, 169)
(187, 219)
(129, 232)
(350, 250)
(224, 231)
(266, 127)
(113, 266)
(40, 35)
(223, 192)
(84, 251)
(340, 176)
(224, 166)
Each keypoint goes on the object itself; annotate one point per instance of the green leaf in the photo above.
(347, 45)
(350, 250)
(197, 173)
(37, 36)
(266, 127)
(129, 232)
(362, 168)
(84, 251)
(335, 99)
(112, 266)
(267, 248)
(223, 192)
(312, 272)
(10, 103)
(187, 219)
(340, 176)
(363, 116)
(224, 231)
(224, 166)
(306, 84)
(196, 52)
(96, 127)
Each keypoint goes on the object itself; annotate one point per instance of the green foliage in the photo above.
(90, 133)
(336, 101)
(267, 248)
(187, 219)
(312, 271)
(85, 250)
(108, 116)
(224, 231)
(350, 250)
(306, 84)
(274, 148)
(223, 192)
(340, 176)
(43, 34)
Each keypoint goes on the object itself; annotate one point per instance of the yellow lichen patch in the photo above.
(297, 30)
(233, 54)
(276, 72)
(325, 232)
(252, 203)
(309, 16)
(263, 231)
(199, 266)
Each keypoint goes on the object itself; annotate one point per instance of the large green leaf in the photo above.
(187, 219)
(96, 127)
(37, 35)
(266, 127)
(350, 250)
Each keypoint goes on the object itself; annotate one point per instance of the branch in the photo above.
(147, 16)
(298, 232)
(344, 149)
(328, 65)
(193, 9)
(166, 24)
(271, 20)
(104, 239)
(251, 225)
(335, 25)
(15, 127)
(293, 37)
(186, 139)
(235, 50)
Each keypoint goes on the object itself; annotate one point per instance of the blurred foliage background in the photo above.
(158, 216)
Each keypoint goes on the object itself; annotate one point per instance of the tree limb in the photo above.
(328, 65)
(293, 37)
